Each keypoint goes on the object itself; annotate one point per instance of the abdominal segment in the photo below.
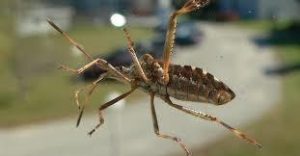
(194, 84)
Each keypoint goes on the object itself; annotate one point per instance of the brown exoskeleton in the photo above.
(162, 79)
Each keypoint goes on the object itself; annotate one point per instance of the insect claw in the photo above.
(68, 69)
(91, 132)
(259, 146)
(79, 118)
(54, 26)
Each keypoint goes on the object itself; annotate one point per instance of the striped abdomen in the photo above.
(195, 84)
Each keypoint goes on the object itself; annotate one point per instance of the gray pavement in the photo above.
(226, 51)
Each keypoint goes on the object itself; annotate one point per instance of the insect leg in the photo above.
(93, 86)
(91, 89)
(103, 64)
(70, 39)
(165, 136)
(107, 104)
(134, 57)
(99, 62)
(189, 6)
(214, 119)
(80, 70)
(77, 92)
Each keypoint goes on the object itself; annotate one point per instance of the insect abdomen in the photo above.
(195, 84)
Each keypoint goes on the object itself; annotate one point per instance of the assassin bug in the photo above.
(162, 79)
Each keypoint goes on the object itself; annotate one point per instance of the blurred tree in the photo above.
(59, 2)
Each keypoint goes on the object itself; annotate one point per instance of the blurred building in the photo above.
(280, 9)
(262, 9)
(31, 14)
(31, 17)
(103, 7)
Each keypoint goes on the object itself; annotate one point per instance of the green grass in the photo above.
(32, 89)
(257, 25)
(262, 25)
(279, 130)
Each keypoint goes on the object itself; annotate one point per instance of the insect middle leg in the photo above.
(90, 91)
(213, 119)
(106, 105)
(165, 136)
(81, 107)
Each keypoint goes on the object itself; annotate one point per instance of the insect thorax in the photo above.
(153, 71)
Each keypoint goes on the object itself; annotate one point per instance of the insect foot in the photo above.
(193, 5)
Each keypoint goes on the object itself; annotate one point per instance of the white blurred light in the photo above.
(117, 20)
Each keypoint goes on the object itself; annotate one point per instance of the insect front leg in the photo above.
(106, 105)
(134, 57)
(189, 6)
(213, 119)
(165, 136)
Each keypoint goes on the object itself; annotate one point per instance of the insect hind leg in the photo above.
(189, 6)
(213, 119)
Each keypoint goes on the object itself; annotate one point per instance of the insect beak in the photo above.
(225, 96)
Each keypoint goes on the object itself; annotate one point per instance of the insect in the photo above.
(160, 78)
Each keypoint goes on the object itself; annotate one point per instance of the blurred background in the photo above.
(251, 45)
